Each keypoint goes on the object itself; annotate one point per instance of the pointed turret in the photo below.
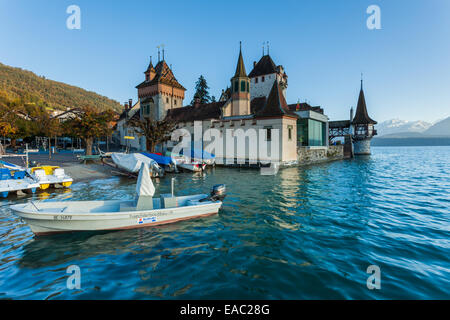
(363, 126)
(362, 116)
(150, 65)
(150, 72)
(240, 68)
(240, 88)
(276, 105)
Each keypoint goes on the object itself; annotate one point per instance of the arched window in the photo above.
(248, 87)
(242, 86)
(236, 86)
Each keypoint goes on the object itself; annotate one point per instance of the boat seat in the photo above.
(127, 206)
(168, 201)
(144, 203)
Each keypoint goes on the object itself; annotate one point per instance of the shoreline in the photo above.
(85, 172)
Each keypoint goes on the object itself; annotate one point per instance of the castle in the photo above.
(256, 101)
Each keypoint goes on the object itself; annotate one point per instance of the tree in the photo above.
(87, 124)
(5, 130)
(201, 91)
(42, 123)
(9, 124)
(155, 132)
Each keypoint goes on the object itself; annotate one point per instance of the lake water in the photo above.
(306, 233)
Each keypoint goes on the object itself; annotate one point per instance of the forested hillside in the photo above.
(20, 87)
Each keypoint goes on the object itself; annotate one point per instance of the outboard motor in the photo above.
(218, 192)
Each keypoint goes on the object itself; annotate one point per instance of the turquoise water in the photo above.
(307, 233)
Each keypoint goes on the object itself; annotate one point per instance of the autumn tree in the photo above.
(8, 124)
(88, 124)
(154, 131)
(41, 123)
(6, 129)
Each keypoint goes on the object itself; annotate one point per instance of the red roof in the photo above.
(163, 75)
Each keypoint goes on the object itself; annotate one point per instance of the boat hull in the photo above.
(52, 218)
(194, 167)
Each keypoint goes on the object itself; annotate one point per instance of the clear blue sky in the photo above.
(323, 45)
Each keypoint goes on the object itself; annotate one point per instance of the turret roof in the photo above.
(163, 75)
(264, 66)
(276, 104)
(361, 115)
(240, 68)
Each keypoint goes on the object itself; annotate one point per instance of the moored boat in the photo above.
(132, 162)
(169, 164)
(50, 176)
(194, 167)
(14, 181)
(186, 163)
(144, 211)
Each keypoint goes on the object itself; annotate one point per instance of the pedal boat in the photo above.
(50, 176)
(68, 216)
(14, 181)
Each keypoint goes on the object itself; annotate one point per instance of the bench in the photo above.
(93, 157)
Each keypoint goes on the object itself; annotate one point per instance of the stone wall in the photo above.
(307, 155)
(362, 147)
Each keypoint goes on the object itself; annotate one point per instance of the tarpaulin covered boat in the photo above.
(169, 164)
(132, 162)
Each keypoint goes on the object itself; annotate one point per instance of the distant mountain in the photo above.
(437, 134)
(401, 126)
(441, 128)
(21, 86)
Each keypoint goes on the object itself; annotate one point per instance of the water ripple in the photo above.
(307, 233)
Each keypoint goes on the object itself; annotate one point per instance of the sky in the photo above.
(324, 47)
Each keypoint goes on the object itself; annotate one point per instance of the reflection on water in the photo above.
(308, 232)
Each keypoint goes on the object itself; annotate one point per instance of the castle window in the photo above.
(242, 86)
(248, 87)
(290, 132)
(236, 86)
(175, 101)
(167, 100)
(262, 79)
(256, 80)
(268, 133)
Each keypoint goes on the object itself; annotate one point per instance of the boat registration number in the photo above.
(62, 217)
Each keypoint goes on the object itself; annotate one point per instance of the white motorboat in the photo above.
(186, 163)
(68, 216)
(195, 167)
(132, 162)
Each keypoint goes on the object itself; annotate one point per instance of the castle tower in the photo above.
(160, 91)
(363, 127)
(264, 74)
(240, 89)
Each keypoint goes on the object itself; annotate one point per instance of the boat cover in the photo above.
(132, 162)
(199, 154)
(144, 185)
(162, 160)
